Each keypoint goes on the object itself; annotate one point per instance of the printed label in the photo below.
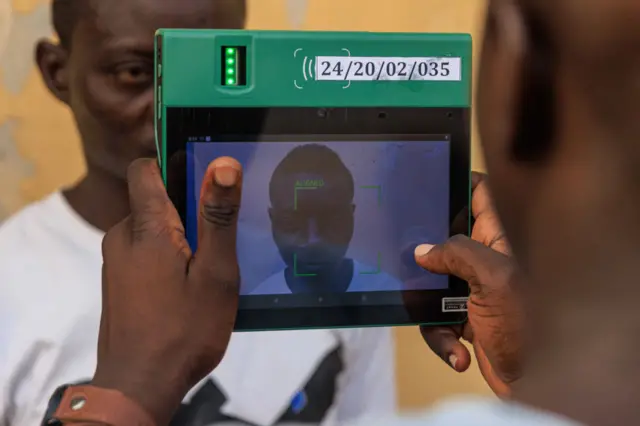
(454, 304)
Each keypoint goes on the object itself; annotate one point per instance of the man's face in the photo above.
(312, 222)
(107, 77)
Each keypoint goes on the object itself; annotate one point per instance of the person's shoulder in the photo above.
(19, 230)
(22, 260)
(42, 242)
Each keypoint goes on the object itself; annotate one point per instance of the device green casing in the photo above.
(188, 71)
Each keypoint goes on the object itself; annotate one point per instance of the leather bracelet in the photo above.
(90, 404)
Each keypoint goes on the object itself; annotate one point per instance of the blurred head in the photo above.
(102, 68)
(558, 102)
(311, 193)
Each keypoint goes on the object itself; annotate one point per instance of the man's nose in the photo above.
(313, 236)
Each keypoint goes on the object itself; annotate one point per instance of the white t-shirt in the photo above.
(473, 412)
(363, 280)
(50, 274)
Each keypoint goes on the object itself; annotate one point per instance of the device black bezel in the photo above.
(252, 124)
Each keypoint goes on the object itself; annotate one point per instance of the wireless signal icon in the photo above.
(307, 68)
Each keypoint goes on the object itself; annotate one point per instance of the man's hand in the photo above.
(168, 314)
(487, 228)
(495, 315)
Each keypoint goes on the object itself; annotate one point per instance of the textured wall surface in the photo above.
(39, 148)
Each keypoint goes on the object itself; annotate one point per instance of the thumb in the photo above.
(464, 258)
(217, 220)
(151, 209)
(445, 342)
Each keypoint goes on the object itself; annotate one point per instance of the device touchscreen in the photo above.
(335, 218)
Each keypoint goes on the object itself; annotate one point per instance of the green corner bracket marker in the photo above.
(378, 269)
(295, 194)
(295, 268)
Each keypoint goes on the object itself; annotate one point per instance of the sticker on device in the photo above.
(454, 304)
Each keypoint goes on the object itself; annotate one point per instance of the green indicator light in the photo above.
(233, 73)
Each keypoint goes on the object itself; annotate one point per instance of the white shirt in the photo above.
(50, 302)
(50, 264)
(362, 280)
(473, 411)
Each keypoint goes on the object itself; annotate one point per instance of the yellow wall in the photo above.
(39, 149)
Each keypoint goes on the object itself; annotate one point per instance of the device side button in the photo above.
(159, 96)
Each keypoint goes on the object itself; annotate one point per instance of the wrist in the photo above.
(157, 394)
(90, 405)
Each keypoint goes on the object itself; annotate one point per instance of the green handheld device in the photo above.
(355, 149)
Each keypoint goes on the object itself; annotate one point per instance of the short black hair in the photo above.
(313, 159)
(65, 15)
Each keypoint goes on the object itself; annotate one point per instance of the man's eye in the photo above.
(133, 75)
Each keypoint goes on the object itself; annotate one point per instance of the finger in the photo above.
(151, 209)
(445, 342)
(490, 233)
(217, 222)
(462, 257)
(481, 201)
(496, 240)
(477, 178)
(460, 224)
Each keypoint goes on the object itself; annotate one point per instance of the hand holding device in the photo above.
(355, 147)
(168, 313)
(495, 313)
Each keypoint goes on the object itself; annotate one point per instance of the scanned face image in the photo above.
(334, 216)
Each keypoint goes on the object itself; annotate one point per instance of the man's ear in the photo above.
(271, 214)
(353, 208)
(500, 77)
(52, 60)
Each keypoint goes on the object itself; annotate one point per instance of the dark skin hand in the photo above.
(152, 281)
(494, 322)
(168, 313)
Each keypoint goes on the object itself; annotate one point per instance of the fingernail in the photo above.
(422, 250)
(225, 176)
(453, 360)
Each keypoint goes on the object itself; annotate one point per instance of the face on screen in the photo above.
(332, 216)
(311, 219)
